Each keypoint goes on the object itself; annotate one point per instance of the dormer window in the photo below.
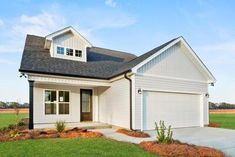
(60, 50)
(69, 52)
(78, 53)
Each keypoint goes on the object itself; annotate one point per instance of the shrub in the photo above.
(60, 126)
(11, 126)
(164, 134)
(3, 129)
(20, 123)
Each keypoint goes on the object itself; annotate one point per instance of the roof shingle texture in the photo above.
(101, 63)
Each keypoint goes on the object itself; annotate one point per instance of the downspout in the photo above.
(130, 81)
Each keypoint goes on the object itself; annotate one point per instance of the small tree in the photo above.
(164, 134)
(60, 126)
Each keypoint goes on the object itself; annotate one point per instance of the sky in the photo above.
(135, 26)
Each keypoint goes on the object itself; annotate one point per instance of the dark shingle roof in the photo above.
(119, 55)
(102, 63)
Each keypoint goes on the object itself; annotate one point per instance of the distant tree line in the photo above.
(222, 105)
(4, 105)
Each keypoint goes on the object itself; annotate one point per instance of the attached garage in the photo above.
(176, 109)
(171, 85)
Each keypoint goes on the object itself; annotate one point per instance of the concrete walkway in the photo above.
(112, 134)
(222, 139)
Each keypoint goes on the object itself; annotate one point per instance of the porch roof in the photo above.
(68, 81)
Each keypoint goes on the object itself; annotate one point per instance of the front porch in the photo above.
(74, 101)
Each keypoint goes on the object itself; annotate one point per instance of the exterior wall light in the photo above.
(139, 91)
(207, 95)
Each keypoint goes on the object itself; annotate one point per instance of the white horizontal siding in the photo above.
(114, 103)
(164, 84)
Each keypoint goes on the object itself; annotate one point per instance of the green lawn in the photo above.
(84, 147)
(10, 118)
(225, 120)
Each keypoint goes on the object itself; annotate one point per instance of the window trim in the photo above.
(56, 102)
(69, 52)
(65, 51)
(78, 53)
(57, 46)
(49, 101)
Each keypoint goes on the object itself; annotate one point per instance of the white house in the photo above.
(71, 80)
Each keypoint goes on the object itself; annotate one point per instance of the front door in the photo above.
(86, 104)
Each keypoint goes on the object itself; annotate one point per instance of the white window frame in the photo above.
(69, 52)
(65, 51)
(78, 53)
(57, 46)
(56, 102)
(63, 102)
(44, 95)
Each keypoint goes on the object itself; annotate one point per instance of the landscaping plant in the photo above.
(60, 126)
(164, 134)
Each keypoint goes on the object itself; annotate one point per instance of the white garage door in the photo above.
(176, 109)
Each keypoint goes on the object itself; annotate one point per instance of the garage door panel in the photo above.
(176, 109)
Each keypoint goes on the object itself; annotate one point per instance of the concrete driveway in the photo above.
(223, 139)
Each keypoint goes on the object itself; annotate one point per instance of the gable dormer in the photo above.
(67, 44)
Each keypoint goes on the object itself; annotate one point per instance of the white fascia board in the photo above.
(67, 81)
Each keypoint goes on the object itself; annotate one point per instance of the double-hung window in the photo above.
(63, 102)
(50, 102)
(54, 100)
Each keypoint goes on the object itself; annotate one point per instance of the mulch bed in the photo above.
(133, 133)
(177, 148)
(214, 125)
(16, 134)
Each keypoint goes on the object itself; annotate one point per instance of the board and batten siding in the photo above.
(114, 103)
(171, 71)
(69, 40)
(41, 120)
(174, 62)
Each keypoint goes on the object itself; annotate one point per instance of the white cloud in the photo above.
(223, 47)
(1, 22)
(110, 3)
(8, 62)
(40, 24)
(102, 19)
(52, 20)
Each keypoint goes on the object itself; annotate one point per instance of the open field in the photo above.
(10, 118)
(83, 147)
(223, 111)
(223, 119)
(22, 110)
